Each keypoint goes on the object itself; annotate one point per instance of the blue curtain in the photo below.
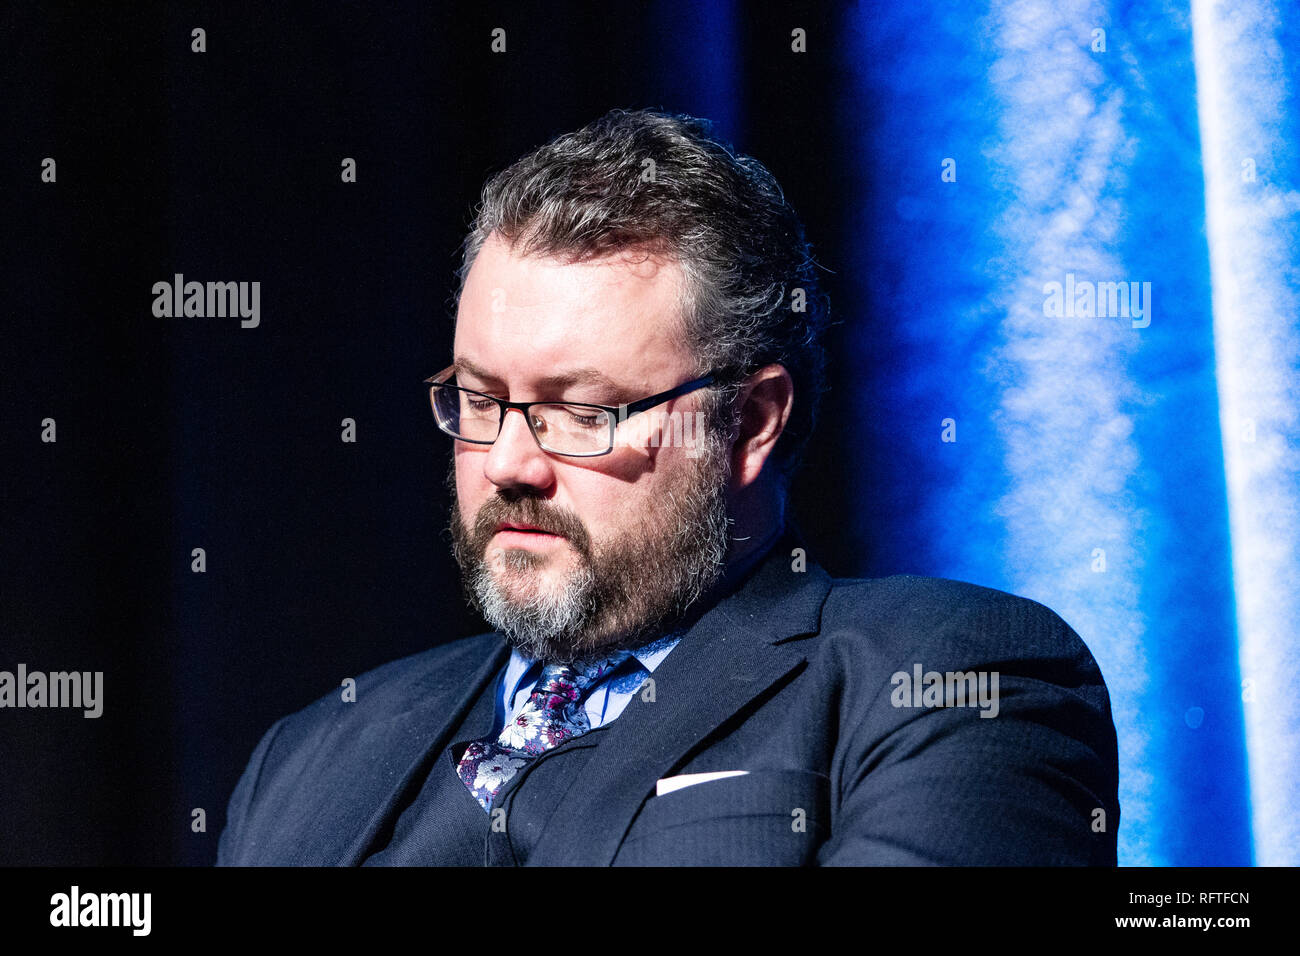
(1071, 301)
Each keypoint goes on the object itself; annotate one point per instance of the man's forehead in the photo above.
(608, 322)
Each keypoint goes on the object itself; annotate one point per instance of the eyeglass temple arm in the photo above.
(653, 400)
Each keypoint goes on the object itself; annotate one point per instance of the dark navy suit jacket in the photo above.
(788, 678)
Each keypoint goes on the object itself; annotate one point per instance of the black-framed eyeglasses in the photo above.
(573, 429)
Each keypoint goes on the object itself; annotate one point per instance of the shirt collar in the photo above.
(648, 656)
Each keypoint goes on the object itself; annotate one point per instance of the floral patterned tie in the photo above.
(552, 715)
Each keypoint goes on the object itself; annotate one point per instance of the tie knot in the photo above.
(566, 683)
(559, 681)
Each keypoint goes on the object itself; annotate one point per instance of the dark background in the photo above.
(324, 559)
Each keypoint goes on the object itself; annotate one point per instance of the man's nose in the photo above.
(515, 458)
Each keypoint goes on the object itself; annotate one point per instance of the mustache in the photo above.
(531, 511)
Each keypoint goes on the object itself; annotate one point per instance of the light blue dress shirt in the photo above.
(607, 698)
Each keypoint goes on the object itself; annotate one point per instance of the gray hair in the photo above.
(652, 181)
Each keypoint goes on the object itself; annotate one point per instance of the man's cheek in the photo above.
(468, 503)
(467, 475)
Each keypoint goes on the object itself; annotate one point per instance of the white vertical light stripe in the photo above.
(1252, 229)
(1066, 390)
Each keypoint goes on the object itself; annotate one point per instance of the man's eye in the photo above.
(579, 418)
(587, 421)
(479, 404)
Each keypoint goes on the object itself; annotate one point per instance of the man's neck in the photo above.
(758, 516)
(746, 554)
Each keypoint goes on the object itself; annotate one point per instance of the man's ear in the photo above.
(765, 403)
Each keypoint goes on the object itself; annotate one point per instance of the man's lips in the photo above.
(520, 527)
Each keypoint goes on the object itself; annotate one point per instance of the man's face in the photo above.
(628, 540)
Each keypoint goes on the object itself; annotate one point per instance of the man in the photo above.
(672, 679)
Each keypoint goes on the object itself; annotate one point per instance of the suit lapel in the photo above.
(733, 654)
(393, 750)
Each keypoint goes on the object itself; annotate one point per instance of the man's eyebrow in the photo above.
(567, 377)
(465, 366)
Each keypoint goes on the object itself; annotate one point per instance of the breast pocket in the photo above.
(763, 818)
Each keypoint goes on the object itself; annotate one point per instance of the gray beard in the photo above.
(624, 592)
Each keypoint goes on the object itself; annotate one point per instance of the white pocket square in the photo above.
(669, 784)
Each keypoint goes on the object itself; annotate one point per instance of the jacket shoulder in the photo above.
(394, 685)
(975, 728)
(909, 614)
